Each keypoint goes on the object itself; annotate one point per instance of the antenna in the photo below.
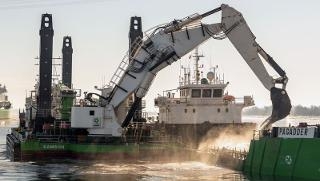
(197, 58)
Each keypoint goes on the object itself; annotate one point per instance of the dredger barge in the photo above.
(111, 124)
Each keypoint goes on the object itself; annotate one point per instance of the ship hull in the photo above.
(194, 134)
(33, 149)
(281, 159)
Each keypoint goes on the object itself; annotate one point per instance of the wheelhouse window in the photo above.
(206, 93)
(217, 92)
(183, 93)
(196, 93)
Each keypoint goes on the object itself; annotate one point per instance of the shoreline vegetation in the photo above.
(298, 110)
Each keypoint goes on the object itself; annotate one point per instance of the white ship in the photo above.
(5, 104)
(201, 104)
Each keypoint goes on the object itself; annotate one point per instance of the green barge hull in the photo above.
(283, 159)
(35, 149)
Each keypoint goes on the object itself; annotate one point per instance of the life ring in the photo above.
(229, 98)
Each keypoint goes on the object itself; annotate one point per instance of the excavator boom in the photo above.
(168, 43)
(171, 42)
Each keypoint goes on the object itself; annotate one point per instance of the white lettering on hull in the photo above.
(293, 132)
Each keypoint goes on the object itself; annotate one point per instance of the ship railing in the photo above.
(257, 134)
(122, 67)
(56, 138)
(215, 82)
(232, 152)
(136, 45)
(216, 100)
(242, 100)
(167, 139)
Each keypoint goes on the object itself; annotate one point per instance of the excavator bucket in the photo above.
(281, 104)
(281, 107)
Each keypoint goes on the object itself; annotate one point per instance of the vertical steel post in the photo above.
(134, 34)
(45, 72)
(67, 61)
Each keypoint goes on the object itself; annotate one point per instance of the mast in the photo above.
(196, 59)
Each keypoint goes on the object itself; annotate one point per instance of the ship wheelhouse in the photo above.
(201, 100)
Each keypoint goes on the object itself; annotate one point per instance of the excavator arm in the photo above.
(168, 43)
(236, 29)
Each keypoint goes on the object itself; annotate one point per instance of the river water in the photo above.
(104, 170)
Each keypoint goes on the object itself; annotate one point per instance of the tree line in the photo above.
(298, 110)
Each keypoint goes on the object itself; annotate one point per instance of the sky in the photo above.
(288, 30)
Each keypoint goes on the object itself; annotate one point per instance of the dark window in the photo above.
(185, 110)
(217, 92)
(194, 110)
(91, 112)
(218, 109)
(227, 110)
(206, 92)
(196, 93)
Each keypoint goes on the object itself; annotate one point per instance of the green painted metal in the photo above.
(259, 149)
(248, 161)
(270, 158)
(66, 105)
(287, 157)
(283, 159)
(308, 162)
(35, 145)
(92, 148)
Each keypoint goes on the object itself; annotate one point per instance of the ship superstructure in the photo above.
(201, 100)
(5, 104)
(200, 104)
